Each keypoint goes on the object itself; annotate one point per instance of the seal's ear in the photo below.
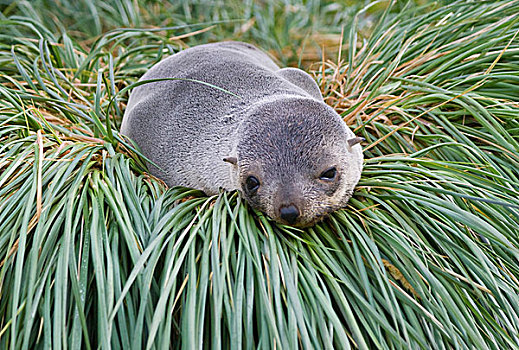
(352, 142)
(232, 160)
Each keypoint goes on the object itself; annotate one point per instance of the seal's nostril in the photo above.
(289, 214)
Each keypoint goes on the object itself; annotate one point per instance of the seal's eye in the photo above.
(252, 184)
(328, 174)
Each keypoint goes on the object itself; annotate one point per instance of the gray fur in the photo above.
(278, 129)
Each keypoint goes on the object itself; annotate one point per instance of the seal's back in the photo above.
(184, 125)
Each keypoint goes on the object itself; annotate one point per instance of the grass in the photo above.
(96, 253)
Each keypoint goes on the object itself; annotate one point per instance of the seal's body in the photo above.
(272, 137)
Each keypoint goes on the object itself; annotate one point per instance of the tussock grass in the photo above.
(281, 27)
(96, 253)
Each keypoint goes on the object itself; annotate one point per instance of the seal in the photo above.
(225, 116)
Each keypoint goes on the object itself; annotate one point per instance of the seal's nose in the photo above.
(289, 214)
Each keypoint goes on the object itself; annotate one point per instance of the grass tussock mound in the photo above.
(96, 253)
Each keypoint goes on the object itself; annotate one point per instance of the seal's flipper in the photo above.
(301, 79)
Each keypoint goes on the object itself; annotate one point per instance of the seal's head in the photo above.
(296, 160)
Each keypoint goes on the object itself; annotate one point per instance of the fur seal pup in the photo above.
(289, 154)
